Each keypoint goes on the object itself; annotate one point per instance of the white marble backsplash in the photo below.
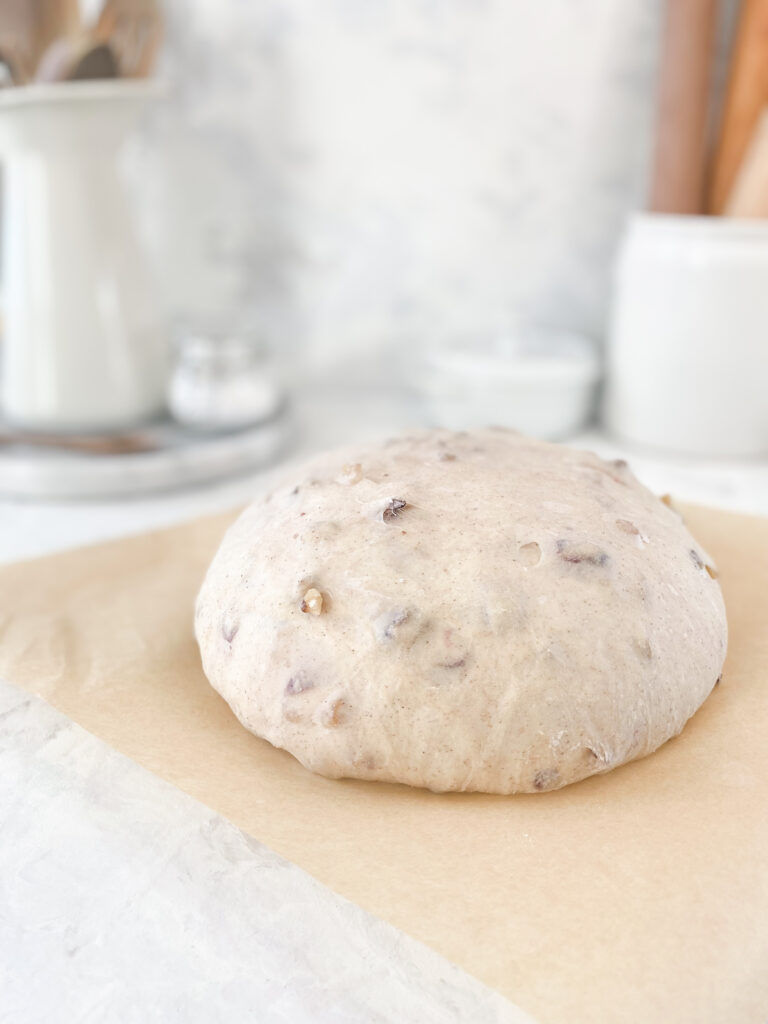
(358, 173)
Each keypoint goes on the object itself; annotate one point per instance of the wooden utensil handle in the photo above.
(118, 444)
(749, 195)
(746, 96)
(683, 106)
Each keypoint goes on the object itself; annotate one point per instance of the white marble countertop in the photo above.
(136, 863)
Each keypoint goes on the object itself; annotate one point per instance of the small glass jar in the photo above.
(222, 382)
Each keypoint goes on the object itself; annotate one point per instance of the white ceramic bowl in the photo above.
(539, 381)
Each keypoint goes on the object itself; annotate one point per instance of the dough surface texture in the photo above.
(462, 611)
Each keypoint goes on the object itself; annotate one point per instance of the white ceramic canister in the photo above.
(84, 345)
(688, 342)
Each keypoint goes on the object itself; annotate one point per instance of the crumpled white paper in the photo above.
(123, 899)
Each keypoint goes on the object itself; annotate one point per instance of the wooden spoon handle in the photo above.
(746, 96)
(749, 195)
(677, 184)
(134, 30)
(120, 444)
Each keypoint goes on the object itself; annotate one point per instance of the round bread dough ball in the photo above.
(462, 611)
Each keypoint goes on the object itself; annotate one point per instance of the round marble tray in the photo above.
(181, 458)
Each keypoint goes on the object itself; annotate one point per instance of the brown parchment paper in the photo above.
(641, 895)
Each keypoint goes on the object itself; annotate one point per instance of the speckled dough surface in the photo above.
(463, 612)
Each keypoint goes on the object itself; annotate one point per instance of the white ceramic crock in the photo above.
(84, 344)
(688, 344)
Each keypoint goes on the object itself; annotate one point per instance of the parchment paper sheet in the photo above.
(641, 895)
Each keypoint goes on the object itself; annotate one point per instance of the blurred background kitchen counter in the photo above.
(395, 214)
(329, 416)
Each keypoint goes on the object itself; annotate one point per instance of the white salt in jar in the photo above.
(222, 382)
